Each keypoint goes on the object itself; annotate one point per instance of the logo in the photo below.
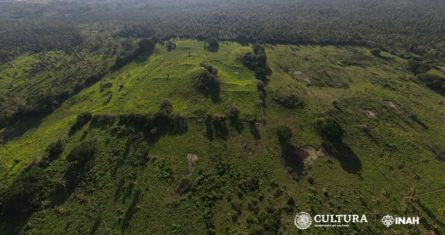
(388, 220)
(303, 220)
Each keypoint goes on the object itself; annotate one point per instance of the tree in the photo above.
(213, 45)
(166, 106)
(233, 113)
(284, 134)
(418, 67)
(329, 129)
(170, 46)
(376, 52)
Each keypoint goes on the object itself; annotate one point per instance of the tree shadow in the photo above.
(237, 125)
(221, 130)
(344, 154)
(19, 128)
(293, 158)
(254, 130)
(209, 128)
(131, 210)
(215, 95)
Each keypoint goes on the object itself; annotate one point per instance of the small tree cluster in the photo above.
(206, 80)
(418, 67)
(434, 82)
(166, 106)
(212, 45)
(170, 46)
(81, 120)
(257, 62)
(287, 100)
(234, 113)
(329, 129)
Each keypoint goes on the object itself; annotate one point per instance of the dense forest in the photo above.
(414, 25)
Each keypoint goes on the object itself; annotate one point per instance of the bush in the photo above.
(206, 82)
(289, 101)
(376, 52)
(284, 134)
(81, 153)
(434, 82)
(257, 62)
(55, 149)
(212, 45)
(166, 106)
(329, 129)
(184, 186)
(81, 120)
(418, 67)
(233, 113)
(170, 46)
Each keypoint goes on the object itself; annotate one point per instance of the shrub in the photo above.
(206, 82)
(289, 101)
(81, 153)
(233, 113)
(418, 67)
(166, 106)
(284, 134)
(170, 46)
(81, 120)
(434, 82)
(329, 129)
(212, 45)
(55, 149)
(376, 52)
(257, 62)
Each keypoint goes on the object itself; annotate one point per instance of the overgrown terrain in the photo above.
(128, 129)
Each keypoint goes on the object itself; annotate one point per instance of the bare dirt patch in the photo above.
(309, 154)
(300, 76)
(191, 163)
(370, 114)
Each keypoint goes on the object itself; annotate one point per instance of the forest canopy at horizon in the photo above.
(413, 25)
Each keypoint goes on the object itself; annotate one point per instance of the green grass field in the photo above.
(240, 184)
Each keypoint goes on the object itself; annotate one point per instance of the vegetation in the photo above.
(435, 82)
(219, 117)
(287, 100)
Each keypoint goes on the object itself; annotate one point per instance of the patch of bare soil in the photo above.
(309, 154)
(300, 76)
(370, 113)
(390, 105)
(191, 163)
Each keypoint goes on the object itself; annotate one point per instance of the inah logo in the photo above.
(388, 220)
(303, 220)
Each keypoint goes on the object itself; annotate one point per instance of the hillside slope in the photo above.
(128, 165)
